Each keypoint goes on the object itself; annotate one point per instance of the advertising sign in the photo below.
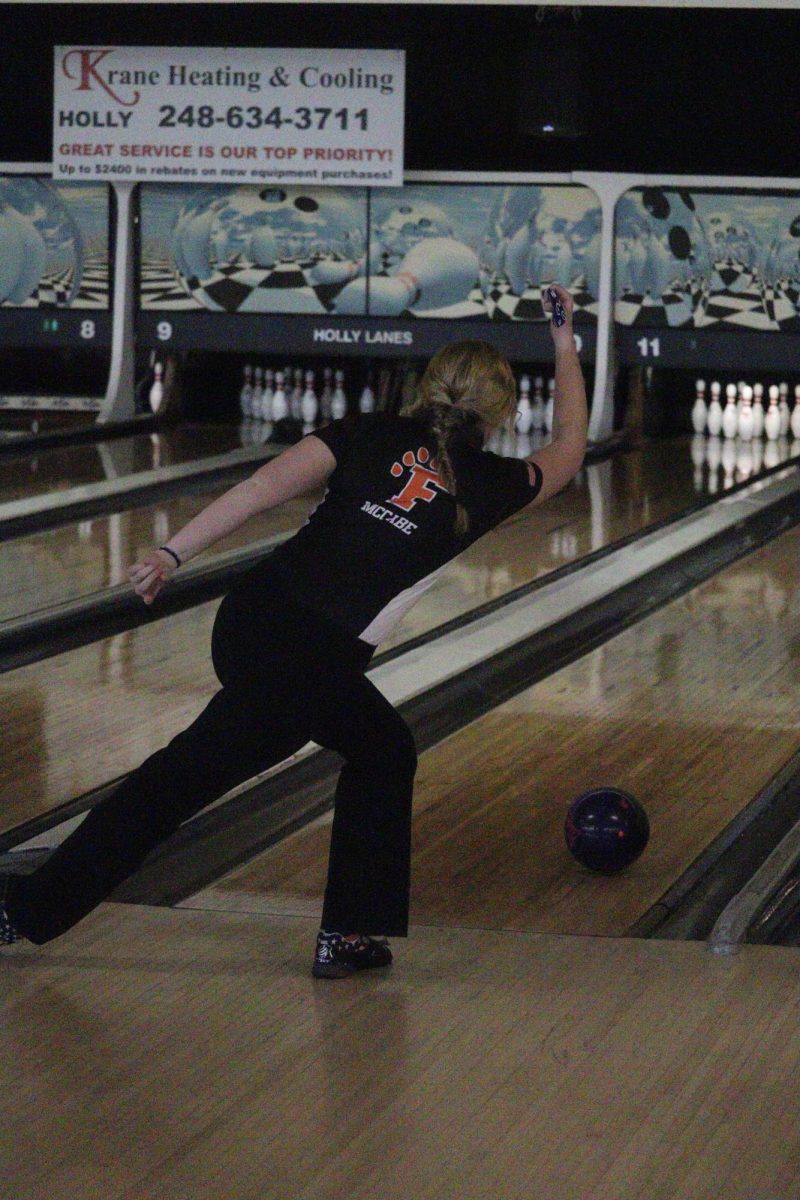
(309, 117)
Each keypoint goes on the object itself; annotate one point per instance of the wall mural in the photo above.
(249, 249)
(458, 251)
(53, 244)
(482, 252)
(704, 260)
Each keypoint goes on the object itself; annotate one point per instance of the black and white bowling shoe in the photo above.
(336, 956)
(8, 933)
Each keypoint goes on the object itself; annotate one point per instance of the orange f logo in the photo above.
(423, 481)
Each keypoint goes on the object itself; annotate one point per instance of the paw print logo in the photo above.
(424, 481)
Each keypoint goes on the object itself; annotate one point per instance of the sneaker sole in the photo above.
(341, 971)
(331, 971)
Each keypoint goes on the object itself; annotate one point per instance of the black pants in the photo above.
(287, 678)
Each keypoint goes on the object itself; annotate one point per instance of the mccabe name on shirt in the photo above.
(383, 514)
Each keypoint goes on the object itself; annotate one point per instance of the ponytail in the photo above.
(467, 387)
(449, 424)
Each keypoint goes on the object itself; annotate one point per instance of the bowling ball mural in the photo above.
(467, 252)
(53, 244)
(250, 249)
(409, 222)
(481, 252)
(701, 259)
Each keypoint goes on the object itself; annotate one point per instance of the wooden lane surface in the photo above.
(692, 710)
(80, 560)
(26, 421)
(130, 694)
(66, 467)
(608, 501)
(155, 1055)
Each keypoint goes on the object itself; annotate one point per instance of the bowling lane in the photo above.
(75, 561)
(134, 691)
(693, 710)
(610, 500)
(16, 423)
(606, 502)
(55, 470)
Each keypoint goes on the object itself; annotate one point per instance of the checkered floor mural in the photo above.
(53, 289)
(735, 298)
(502, 304)
(239, 287)
(289, 287)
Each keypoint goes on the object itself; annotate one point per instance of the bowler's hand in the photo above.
(561, 334)
(150, 575)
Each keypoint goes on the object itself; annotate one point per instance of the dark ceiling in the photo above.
(678, 90)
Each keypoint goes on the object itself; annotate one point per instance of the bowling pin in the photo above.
(258, 393)
(296, 402)
(537, 407)
(366, 403)
(715, 411)
(280, 408)
(783, 409)
(758, 410)
(308, 405)
(524, 419)
(157, 390)
(246, 394)
(772, 419)
(339, 400)
(741, 385)
(730, 417)
(267, 394)
(745, 427)
(327, 395)
(794, 423)
(699, 408)
(548, 410)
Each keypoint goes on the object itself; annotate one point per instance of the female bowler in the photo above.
(294, 635)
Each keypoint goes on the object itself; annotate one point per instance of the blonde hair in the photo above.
(466, 386)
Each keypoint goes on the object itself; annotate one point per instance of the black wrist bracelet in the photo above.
(167, 550)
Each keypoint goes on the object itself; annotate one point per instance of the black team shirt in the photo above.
(385, 529)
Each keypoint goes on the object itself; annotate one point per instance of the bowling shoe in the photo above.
(336, 957)
(8, 934)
